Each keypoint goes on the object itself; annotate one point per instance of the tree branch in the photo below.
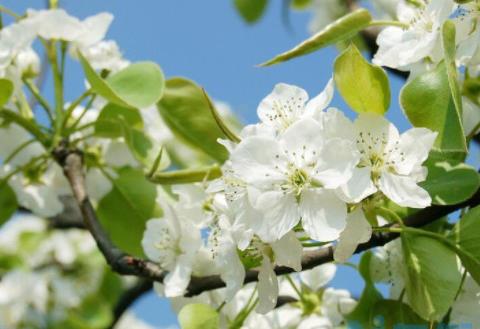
(122, 263)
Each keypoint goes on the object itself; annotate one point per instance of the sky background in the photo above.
(208, 42)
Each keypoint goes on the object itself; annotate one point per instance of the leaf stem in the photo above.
(36, 93)
(58, 85)
(73, 106)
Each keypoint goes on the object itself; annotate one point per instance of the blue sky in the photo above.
(206, 41)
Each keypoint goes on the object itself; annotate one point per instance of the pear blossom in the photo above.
(293, 178)
(129, 320)
(420, 39)
(390, 162)
(172, 241)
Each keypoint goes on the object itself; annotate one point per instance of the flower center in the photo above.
(168, 247)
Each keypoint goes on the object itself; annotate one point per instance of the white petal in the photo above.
(374, 126)
(283, 106)
(280, 215)
(255, 158)
(267, 287)
(315, 322)
(305, 133)
(232, 269)
(336, 125)
(288, 251)
(176, 281)
(95, 28)
(358, 187)
(55, 24)
(404, 191)
(321, 101)
(413, 149)
(358, 231)
(323, 215)
(337, 160)
(319, 276)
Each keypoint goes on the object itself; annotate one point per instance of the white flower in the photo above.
(287, 104)
(319, 276)
(336, 303)
(466, 306)
(130, 321)
(55, 24)
(15, 146)
(14, 39)
(293, 178)
(172, 241)
(358, 231)
(105, 55)
(390, 162)
(400, 47)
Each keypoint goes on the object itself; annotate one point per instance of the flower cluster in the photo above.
(304, 173)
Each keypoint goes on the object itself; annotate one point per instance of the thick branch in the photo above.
(125, 264)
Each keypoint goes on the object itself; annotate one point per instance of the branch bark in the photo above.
(122, 263)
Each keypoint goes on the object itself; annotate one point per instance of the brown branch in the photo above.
(122, 263)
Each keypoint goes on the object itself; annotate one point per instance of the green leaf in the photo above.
(364, 86)
(427, 101)
(198, 316)
(186, 176)
(361, 316)
(139, 85)
(186, 111)
(110, 121)
(8, 202)
(467, 238)
(6, 91)
(392, 314)
(343, 28)
(126, 208)
(450, 184)
(251, 10)
(300, 4)
(432, 278)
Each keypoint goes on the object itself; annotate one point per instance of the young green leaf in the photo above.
(251, 10)
(448, 42)
(139, 85)
(111, 117)
(428, 102)
(467, 237)
(126, 208)
(450, 184)
(433, 276)
(8, 202)
(342, 29)
(186, 111)
(6, 91)
(198, 316)
(364, 86)
(186, 176)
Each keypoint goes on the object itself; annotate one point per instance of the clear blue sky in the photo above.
(207, 42)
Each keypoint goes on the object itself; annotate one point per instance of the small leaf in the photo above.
(8, 202)
(6, 91)
(127, 207)
(186, 176)
(187, 113)
(428, 102)
(111, 117)
(433, 276)
(450, 184)
(139, 85)
(251, 10)
(343, 28)
(467, 238)
(364, 86)
(198, 316)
